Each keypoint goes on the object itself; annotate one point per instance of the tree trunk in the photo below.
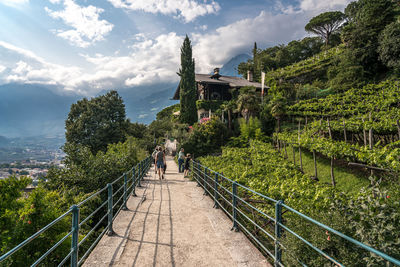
(301, 159)
(279, 124)
(364, 133)
(294, 155)
(329, 129)
(284, 145)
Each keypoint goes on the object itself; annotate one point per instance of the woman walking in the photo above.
(160, 160)
(187, 165)
(181, 160)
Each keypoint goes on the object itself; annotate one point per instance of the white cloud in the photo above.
(155, 60)
(213, 49)
(86, 26)
(142, 116)
(321, 6)
(24, 66)
(189, 10)
(149, 62)
(14, 3)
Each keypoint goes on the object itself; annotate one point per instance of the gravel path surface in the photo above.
(171, 223)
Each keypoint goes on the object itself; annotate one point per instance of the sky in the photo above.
(87, 46)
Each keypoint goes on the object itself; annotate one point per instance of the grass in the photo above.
(348, 180)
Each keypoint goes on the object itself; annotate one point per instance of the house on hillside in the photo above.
(214, 89)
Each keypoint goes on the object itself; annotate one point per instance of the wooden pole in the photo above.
(294, 155)
(398, 128)
(300, 159)
(371, 139)
(329, 129)
(344, 130)
(298, 138)
(284, 145)
(364, 133)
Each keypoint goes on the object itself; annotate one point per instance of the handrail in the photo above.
(213, 187)
(136, 174)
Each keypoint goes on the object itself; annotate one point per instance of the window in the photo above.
(215, 96)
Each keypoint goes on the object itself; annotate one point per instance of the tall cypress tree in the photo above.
(188, 84)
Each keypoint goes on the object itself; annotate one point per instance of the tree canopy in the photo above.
(326, 24)
(389, 46)
(97, 122)
(187, 84)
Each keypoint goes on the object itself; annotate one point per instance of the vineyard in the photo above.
(360, 126)
(264, 169)
(306, 70)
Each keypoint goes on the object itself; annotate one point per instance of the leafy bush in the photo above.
(206, 138)
(89, 172)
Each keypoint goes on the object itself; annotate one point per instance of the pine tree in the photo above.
(187, 85)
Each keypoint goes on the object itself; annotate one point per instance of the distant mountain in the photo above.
(36, 110)
(145, 109)
(230, 67)
(32, 110)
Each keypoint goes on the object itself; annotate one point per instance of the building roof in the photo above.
(231, 81)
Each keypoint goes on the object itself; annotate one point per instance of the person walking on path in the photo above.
(160, 161)
(154, 154)
(187, 165)
(165, 163)
(181, 160)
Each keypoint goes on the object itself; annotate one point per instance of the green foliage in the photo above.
(187, 85)
(206, 138)
(280, 56)
(372, 218)
(325, 24)
(214, 105)
(248, 102)
(307, 71)
(346, 72)
(266, 118)
(137, 130)
(389, 46)
(167, 113)
(277, 106)
(21, 217)
(91, 172)
(362, 32)
(97, 122)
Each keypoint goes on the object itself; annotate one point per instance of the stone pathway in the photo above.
(171, 223)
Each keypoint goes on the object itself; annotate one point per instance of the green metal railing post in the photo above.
(138, 177)
(142, 170)
(278, 220)
(133, 182)
(204, 180)
(216, 191)
(198, 172)
(234, 205)
(75, 236)
(110, 210)
(124, 207)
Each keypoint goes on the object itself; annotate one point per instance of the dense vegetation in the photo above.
(96, 156)
(335, 97)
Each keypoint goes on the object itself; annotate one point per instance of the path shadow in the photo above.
(126, 234)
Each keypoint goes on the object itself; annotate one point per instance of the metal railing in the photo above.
(248, 209)
(129, 180)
